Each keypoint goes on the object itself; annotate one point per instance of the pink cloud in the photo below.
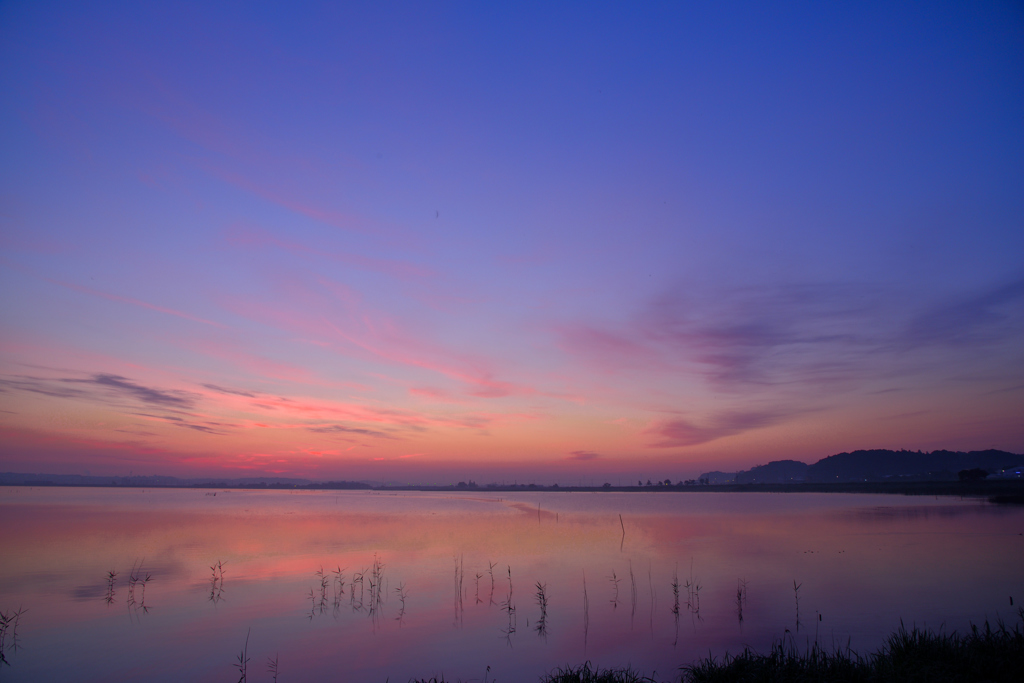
(323, 416)
(583, 455)
(382, 337)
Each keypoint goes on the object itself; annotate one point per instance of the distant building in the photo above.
(1016, 472)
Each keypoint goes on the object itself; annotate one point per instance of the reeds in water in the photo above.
(542, 602)
(216, 582)
(693, 587)
(111, 581)
(272, 667)
(357, 579)
(137, 581)
(376, 586)
(9, 628)
(338, 583)
(243, 660)
(509, 608)
(319, 597)
(402, 595)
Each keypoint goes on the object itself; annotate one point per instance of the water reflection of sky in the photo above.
(861, 562)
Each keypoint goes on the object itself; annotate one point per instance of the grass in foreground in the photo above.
(983, 654)
(584, 674)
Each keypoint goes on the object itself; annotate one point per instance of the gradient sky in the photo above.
(549, 242)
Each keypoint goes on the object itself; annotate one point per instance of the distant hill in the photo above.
(879, 465)
(776, 472)
(872, 465)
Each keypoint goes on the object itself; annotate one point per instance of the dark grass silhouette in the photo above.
(986, 653)
(585, 674)
(981, 654)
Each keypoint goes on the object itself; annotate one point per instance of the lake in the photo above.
(167, 584)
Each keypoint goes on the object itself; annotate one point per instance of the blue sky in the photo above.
(411, 242)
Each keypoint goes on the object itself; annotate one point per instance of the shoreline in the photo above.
(1001, 491)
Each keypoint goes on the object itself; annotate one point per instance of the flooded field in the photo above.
(175, 584)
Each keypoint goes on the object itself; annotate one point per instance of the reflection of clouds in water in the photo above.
(276, 542)
(89, 592)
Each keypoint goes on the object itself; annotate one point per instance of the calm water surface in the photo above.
(421, 584)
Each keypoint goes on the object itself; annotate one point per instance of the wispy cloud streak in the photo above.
(136, 302)
(798, 336)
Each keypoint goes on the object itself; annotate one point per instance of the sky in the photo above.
(549, 242)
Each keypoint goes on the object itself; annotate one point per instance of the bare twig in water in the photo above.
(615, 590)
(490, 571)
(796, 597)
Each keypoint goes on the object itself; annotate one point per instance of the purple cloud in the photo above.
(680, 432)
(583, 455)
